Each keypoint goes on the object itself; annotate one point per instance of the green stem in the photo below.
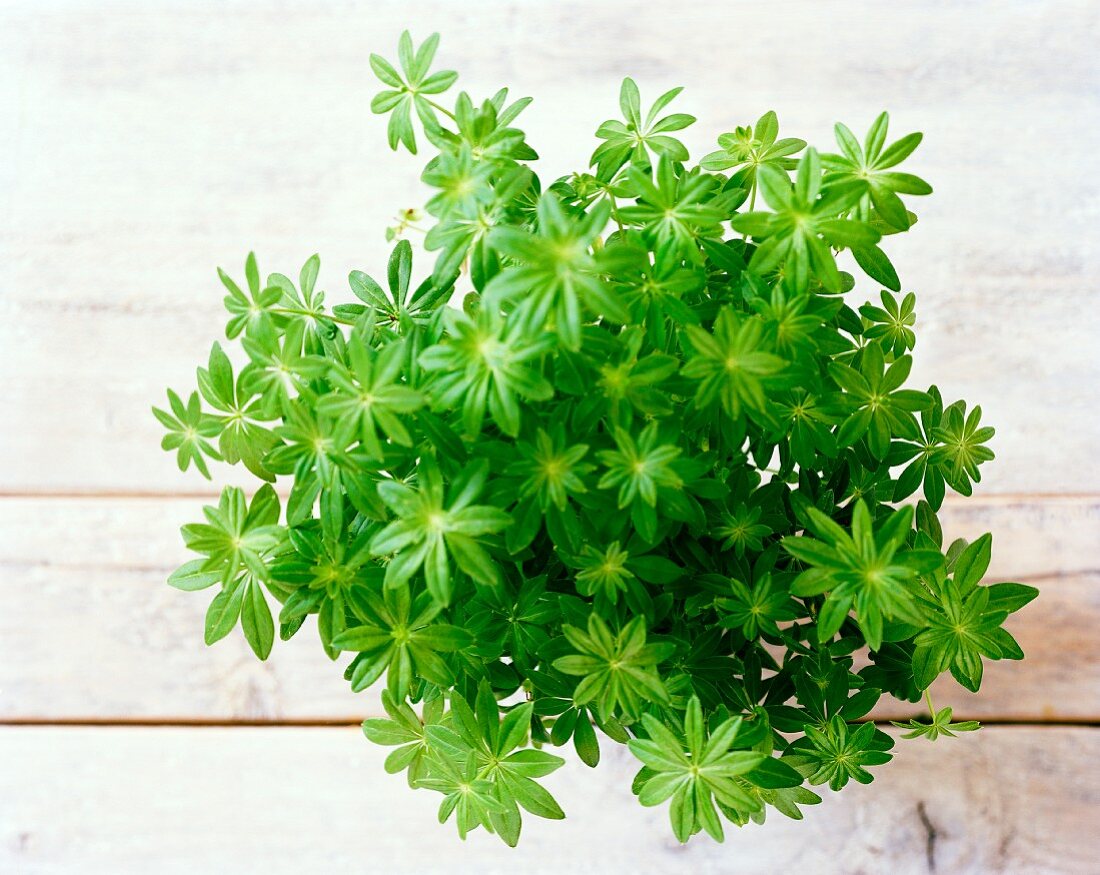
(928, 701)
(296, 311)
(615, 212)
(442, 109)
(752, 203)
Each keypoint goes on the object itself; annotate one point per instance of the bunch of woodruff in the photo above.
(625, 466)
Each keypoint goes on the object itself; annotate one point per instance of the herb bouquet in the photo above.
(648, 484)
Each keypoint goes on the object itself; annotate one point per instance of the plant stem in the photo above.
(296, 311)
(442, 109)
(752, 203)
(615, 211)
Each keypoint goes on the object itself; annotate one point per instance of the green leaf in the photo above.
(259, 629)
(877, 266)
(972, 563)
(223, 613)
(191, 576)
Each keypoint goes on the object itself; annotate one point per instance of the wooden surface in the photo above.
(292, 800)
(152, 142)
(145, 143)
(150, 663)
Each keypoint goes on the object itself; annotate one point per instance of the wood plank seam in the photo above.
(322, 723)
(154, 668)
(993, 498)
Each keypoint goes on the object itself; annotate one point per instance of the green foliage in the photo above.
(407, 89)
(940, 724)
(188, 427)
(633, 139)
(695, 768)
(657, 482)
(618, 671)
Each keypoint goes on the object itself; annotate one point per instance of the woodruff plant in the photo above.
(650, 479)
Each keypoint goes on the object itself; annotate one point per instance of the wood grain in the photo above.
(170, 800)
(145, 145)
(96, 634)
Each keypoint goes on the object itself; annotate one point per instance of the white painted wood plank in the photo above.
(146, 143)
(167, 800)
(91, 631)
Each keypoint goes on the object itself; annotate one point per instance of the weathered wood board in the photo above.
(98, 635)
(290, 800)
(143, 144)
(206, 130)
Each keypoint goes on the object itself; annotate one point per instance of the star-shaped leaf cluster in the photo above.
(635, 138)
(409, 89)
(617, 669)
(436, 526)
